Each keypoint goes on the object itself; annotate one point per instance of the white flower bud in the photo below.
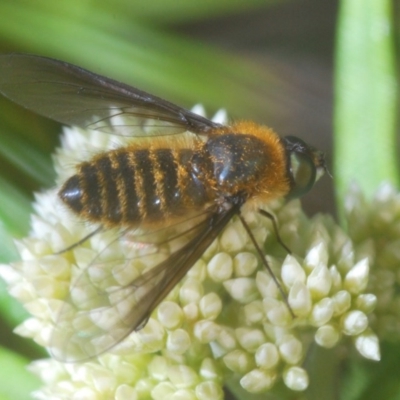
(199, 110)
(29, 328)
(56, 267)
(191, 291)
(220, 267)
(354, 322)
(277, 312)
(238, 361)
(233, 238)
(300, 299)
(366, 302)
(291, 349)
(266, 285)
(257, 381)
(198, 271)
(243, 290)
(9, 274)
(296, 378)
(319, 281)
(100, 377)
(217, 350)
(341, 302)
(39, 308)
(367, 345)
(210, 306)
(209, 390)
(209, 369)
(244, 264)
(292, 272)
(267, 356)
(158, 368)
(152, 336)
(356, 279)
(336, 278)
(250, 339)
(206, 331)
(327, 336)
(163, 390)
(346, 258)
(254, 312)
(169, 314)
(221, 116)
(316, 256)
(25, 291)
(322, 312)
(191, 311)
(182, 376)
(227, 338)
(178, 341)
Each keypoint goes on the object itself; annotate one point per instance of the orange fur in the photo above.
(274, 182)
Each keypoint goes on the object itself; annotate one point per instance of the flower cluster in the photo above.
(374, 228)
(226, 318)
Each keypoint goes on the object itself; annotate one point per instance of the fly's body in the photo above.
(155, 184)
(186, 168)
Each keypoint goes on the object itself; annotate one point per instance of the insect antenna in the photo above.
(265, 262)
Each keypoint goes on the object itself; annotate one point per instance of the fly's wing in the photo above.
(99, 314)
(74, 96)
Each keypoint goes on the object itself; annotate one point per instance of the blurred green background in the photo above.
(303, 67)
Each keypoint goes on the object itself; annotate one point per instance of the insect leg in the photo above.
(266, 264)
(80, 241)
(275, 225)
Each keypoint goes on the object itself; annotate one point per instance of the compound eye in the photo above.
(303, 173)
(302, 168)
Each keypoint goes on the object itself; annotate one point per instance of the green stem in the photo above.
(365, 97)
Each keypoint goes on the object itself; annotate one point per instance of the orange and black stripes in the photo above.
(167, 179)
(127, 182)
(132, 186)
(91, 190)
(147, 187)
(110, 198)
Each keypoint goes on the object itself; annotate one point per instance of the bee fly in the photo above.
(186, 167)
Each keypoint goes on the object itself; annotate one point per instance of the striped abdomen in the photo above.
(129, 186)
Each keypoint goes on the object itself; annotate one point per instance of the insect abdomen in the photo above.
(129, 186)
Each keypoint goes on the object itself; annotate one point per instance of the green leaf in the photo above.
(11, 311)
(368, 380)
(366, 97)
(14, 209)
(15, 381)
(23, 154)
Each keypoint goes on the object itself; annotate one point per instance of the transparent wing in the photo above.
(112, 298)
(74, 96)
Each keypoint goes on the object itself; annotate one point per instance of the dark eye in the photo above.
(303, 174)
(301, 166)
